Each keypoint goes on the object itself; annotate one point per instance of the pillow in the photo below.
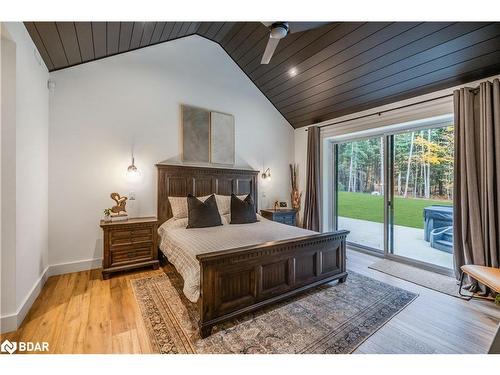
(203, 214)
(242, 211)
(179, 206)
(224, 203)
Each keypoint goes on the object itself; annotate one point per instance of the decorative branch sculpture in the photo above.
(295, 195)
(119, 208)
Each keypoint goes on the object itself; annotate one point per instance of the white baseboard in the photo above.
(8, 323)
(11, 322)
(80, 265)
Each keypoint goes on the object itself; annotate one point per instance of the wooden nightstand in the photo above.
(129, 244)
(283, 215)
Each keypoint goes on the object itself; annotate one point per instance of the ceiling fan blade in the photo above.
(297, 27)
(272, 43)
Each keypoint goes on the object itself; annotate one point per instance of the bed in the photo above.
(233, 269)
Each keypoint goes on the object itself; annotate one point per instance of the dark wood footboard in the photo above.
(237, 281)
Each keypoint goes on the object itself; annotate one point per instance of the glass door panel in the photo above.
(422, 202)
(360, 191)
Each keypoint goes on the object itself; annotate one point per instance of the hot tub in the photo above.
(437, 216)
(438, 227)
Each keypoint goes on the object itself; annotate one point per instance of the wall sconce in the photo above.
(267, 174)
(132, 171)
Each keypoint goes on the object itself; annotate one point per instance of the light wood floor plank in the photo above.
(81, 313)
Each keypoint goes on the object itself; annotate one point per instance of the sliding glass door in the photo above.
(394, 193)
(422, 195)
(360, 191)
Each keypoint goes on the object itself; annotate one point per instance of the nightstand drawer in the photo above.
(131, 254)
(120, 237)
(289, 220)
(279, 219)
(142, 234)
(283, 216)
(131, 236)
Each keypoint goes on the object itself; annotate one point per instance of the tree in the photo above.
(350, 167)
(409, 164)
(423, 164)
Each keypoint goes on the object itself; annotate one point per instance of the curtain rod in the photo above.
(385, 111)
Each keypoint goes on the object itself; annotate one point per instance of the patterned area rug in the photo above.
(333, 318)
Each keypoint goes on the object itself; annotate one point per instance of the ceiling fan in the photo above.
(279, 30)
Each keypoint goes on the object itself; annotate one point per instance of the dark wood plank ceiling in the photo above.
(316, 75)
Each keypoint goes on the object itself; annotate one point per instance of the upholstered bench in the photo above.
(488, 276)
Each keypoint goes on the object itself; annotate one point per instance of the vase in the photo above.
(295, 199)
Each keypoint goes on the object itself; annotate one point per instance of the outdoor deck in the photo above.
(409, 242)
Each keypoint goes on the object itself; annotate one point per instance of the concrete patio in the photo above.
(409, 242)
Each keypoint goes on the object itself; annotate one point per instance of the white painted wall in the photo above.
(32, 126)
(100, 110)
(8, 180)
(25, 163)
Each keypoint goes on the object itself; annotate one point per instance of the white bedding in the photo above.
(181, 245)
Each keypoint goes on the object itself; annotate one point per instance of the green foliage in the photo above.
(107, 211)
(360, 164)
(425, 156)
(408, 212)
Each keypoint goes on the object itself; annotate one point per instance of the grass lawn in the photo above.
(408, 212)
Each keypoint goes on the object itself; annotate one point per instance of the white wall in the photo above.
(26, 163)
(8, 180)
(100, 110)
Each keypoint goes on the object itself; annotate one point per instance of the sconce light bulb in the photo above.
(133, 174)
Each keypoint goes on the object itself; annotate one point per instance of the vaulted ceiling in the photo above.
(316, 75)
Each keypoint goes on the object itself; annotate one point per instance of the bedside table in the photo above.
(129, 244)
(284, 215)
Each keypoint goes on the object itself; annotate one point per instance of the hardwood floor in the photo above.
(81, 313)
(433, 323)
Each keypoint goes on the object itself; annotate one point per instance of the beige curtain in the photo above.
(312, 202)
(477, 176)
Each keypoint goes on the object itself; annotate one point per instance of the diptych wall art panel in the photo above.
(207, 136)
(195, 134)
(221, 138)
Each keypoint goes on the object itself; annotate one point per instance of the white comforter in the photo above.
(181, 245)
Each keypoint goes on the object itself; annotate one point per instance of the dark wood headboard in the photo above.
(180, 180)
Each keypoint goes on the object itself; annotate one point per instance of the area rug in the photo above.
(333, 318)
(440, 283)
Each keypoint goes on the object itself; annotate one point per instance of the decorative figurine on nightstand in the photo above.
(118, 211)
(276, 205)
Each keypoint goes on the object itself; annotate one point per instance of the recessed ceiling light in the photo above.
(292, 72)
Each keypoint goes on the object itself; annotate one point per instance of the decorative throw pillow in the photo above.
(242, 211)
(179, 206)
(224, 203)
(202, 214)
